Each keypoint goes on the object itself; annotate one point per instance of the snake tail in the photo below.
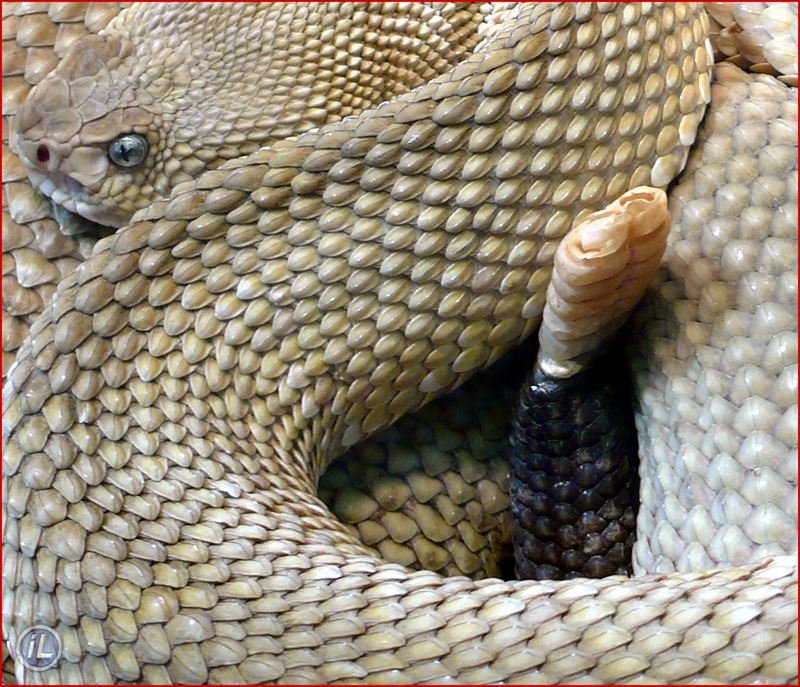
(574, 476)
(573, 446)
(601, 270)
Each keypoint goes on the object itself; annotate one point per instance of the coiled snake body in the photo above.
(170, 412)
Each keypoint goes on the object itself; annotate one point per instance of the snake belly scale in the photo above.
(170, 412)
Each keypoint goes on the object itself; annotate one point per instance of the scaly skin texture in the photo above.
(761, 36)
(160, 508)
(719, 357)
(170, 75)
(36, 254)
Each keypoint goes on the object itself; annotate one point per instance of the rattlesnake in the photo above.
(159, 501)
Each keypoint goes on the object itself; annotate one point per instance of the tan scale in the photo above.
(243, 571)
(760, 36)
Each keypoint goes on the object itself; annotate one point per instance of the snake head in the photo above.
(87, 133)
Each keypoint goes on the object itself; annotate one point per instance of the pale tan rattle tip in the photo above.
(601, 270)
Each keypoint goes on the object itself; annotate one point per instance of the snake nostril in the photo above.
(43, 154)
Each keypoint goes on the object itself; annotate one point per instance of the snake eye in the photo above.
(128, 150)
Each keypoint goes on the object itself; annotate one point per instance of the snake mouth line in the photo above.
(70, 210)
(72, 223)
